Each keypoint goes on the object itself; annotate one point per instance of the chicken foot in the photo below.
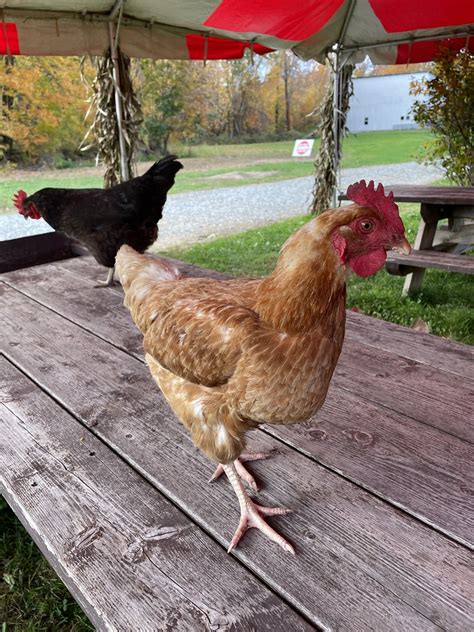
(109, 281)
(251, 513)
(241, 470)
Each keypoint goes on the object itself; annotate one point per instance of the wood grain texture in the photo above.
(34, 250)
(360, 564)
(441, 353)
(51, 282)
(415, 467)
(429, 259)
(430, 395)
(131, 559)
(419, 469)
(429, 194)
(57, 284)
(424, 348)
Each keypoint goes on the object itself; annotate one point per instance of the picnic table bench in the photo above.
(109, 485)
(435, 246)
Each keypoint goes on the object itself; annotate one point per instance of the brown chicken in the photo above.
(230, 355)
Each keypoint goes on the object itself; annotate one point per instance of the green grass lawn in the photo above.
(32, 597)
(359, 150)
(445, 302)
(366, 148)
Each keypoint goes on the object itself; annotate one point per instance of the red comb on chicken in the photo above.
(27, 209)
(375, 198)
(18, 200)
(363, 243)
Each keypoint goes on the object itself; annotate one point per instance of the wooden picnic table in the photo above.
(111, 488)
(435, 246)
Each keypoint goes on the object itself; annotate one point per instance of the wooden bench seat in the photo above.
(109, 485)
(405, 264)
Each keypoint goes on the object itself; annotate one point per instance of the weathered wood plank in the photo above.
(419, 469)
(361, 564)
(416, 389)
(399, 264)
(88, 268)
(425, 473)
(429, 215)
(429, 395)
(131, 559)
(34, 250)
(450, 356)
(425, 348)
(429, 194)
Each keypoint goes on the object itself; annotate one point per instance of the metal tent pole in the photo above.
(335, 124)
(338, 65)
(113, 37)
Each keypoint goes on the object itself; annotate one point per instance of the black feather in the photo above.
(105, 219)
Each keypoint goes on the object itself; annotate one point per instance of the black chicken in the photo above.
(105, 219)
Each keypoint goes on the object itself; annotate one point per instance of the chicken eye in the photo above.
(366, 226)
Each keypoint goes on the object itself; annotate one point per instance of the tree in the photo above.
(291, 93)
(243, 81)
(205, 103)
(287, 87)
(42, 107)
(449, 113)
(165, 84)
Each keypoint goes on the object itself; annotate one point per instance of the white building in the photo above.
(383, 103)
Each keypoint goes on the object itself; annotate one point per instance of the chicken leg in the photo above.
(251, 513)
(109, 281)
(241, 470)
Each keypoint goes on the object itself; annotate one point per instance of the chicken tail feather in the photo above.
(165, 169)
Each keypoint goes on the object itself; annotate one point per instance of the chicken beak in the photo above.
(403, 247)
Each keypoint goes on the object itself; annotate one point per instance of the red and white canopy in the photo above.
(390, 31)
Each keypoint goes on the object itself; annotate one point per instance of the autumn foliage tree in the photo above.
(43, 103)
(229, 101)
(42, 107)
(448, 112)
(163, 90)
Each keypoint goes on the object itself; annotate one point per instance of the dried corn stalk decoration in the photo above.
(332, 130)
(104, 133)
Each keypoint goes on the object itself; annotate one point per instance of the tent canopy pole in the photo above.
(113, 37)
(335, 123)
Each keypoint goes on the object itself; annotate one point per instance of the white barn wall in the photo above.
(383, 103)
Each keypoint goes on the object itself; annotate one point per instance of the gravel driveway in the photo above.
(202, 215)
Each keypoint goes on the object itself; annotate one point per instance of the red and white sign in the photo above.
(303, 148)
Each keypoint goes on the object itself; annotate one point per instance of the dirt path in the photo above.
(202, 215)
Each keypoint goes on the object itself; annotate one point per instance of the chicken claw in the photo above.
(241, 470)
(251, 513)
(109, 281)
